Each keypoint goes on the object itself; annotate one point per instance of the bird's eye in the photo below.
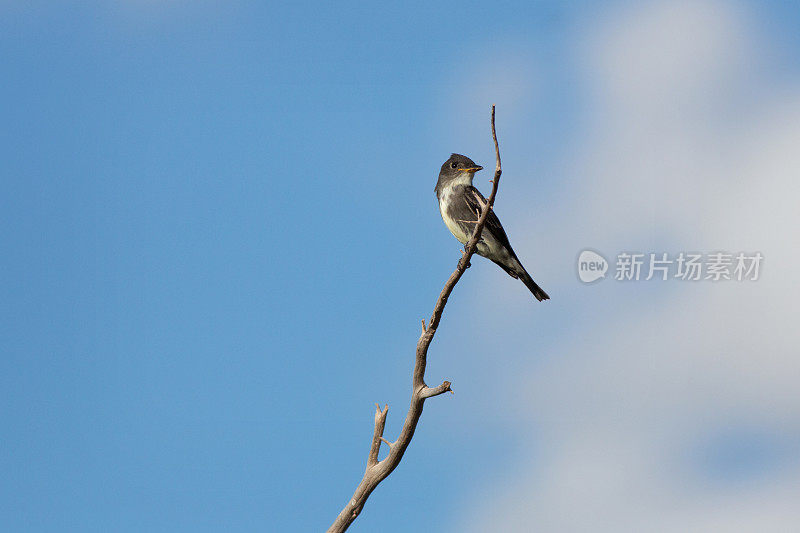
(453, 165)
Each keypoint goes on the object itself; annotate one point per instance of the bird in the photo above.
(460, 205)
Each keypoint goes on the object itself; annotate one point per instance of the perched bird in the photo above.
(460, 205)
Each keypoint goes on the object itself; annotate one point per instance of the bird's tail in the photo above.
(517, 271)
(537, 291)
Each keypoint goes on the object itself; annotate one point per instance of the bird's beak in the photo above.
(472, 169)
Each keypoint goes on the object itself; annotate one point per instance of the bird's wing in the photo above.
(475, 202)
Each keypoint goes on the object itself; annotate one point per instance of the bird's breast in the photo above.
(455, 227)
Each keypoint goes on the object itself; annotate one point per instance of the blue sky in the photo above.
(220, 233)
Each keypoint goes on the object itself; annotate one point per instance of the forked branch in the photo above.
(376, 470)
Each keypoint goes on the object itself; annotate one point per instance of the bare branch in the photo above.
(377, 471)
(428, 392)
(380, 424)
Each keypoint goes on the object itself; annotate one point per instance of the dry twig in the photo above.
(376, 470)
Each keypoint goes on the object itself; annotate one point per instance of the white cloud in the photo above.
(693, 148)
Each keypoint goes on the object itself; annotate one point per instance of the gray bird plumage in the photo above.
(460, 205)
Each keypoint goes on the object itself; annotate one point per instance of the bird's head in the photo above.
(458, 168)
